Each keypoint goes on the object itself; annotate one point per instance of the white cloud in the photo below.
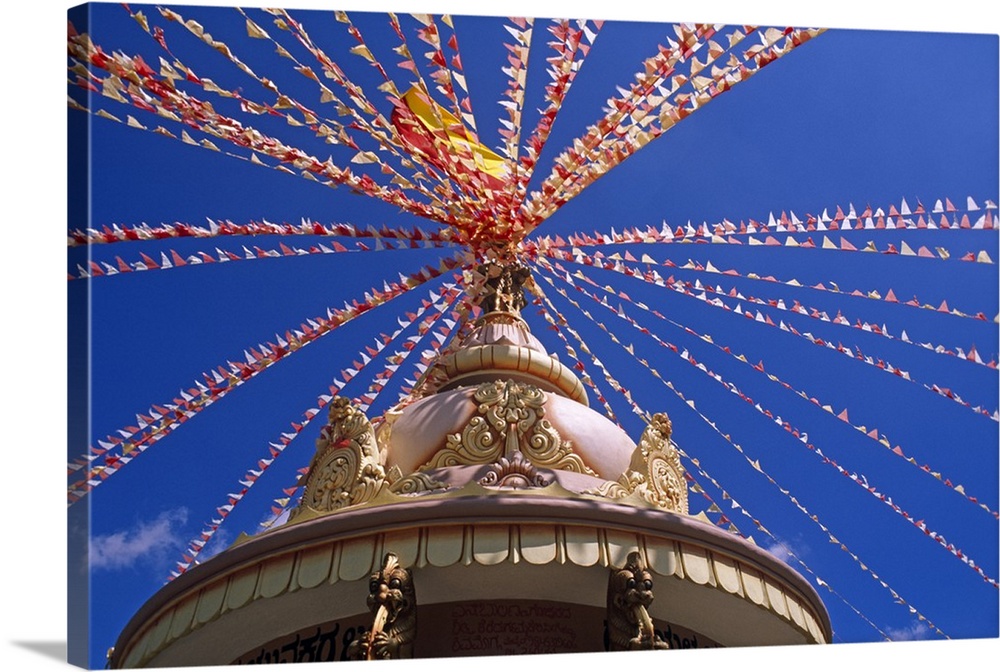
(916, 630)
(273, 520)
(148, 541)
(220, 541)
(785, 550)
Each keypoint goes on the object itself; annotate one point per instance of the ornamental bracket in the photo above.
(655, 472)
(346, 469)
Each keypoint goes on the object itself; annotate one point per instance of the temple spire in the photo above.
(502, 289)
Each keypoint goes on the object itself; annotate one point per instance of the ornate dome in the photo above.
(501, 374)
(498, 488)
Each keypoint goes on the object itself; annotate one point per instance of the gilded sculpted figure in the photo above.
(393, 601)
(630, 592)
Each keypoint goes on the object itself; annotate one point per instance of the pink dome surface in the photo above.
(422, 430)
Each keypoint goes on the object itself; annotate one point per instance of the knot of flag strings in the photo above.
(429, 148)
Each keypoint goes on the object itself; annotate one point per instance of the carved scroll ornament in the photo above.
(510, 419)
(515, 473)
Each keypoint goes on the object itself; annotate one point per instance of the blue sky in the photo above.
(754, 151)
(852, 117)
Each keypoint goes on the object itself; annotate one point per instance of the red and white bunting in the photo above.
(799, 435)
(753, 463)
(881, 330)
(854, 352)
(558, 250)
(872, 434)
(175, 260)
(571, 46)
(129, 442)
(401, 237)
(154, 94)
(697, 488)
(546, 311)
(889, 218)
(276, 448)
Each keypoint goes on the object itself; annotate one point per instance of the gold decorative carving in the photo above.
(609, 489)
(630, 592)
(383, 434)
(655, 472)
(515, 473)
(417, 483)
(393, 601)
(510, 420)
(346, 469)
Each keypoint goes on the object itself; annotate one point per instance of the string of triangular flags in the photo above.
(127, 443)
(755, 464)
(708, 267)
(427, 356)
(571, 46)
(464, 192)
(387, 237)
(185, 136)
(427, 378)
(152, 93)
(638, 411)
(175, 260)
(430, 134)
(335, 132)
(365, 400)
(699, 489)
(453, 147)
(872, 434)
(795, 306)
(613, 141)
(883, 247)
(853, 352)
(547, 310)
(869, 220)
(558, 326)
(800, 436)
(276, 448)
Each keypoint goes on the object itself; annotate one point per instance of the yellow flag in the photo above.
(435, 119)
